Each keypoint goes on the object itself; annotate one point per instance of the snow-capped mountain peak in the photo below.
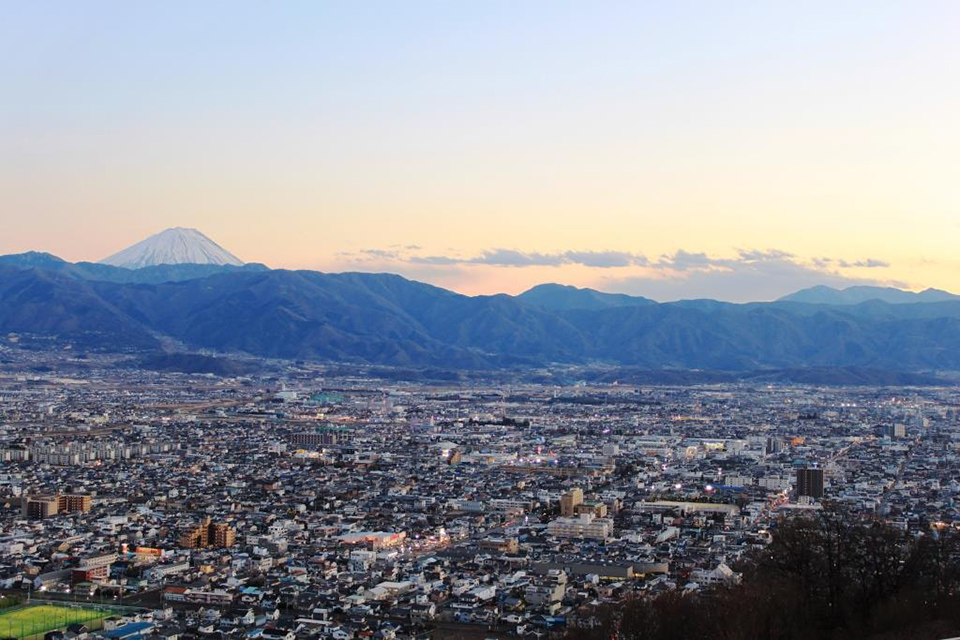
(173, 246)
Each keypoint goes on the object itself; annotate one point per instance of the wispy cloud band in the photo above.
(747, 274)
(679, 261)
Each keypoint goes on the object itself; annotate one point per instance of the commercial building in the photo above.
(374, 539)
(598, 509)
(501, 545)
(583, 526)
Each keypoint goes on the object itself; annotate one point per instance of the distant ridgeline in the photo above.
(384, 319)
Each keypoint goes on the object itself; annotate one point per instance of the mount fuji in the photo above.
(173, 246)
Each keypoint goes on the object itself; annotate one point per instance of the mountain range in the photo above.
(389, 320)
(169, 272)
(561, 297)
(855, 295)
(386, 319)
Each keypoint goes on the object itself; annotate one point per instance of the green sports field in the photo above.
(29, 620)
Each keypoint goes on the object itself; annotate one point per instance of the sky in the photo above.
(731, 150)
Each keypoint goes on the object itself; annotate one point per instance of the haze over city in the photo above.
(732, 151)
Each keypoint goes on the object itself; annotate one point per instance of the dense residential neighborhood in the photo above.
(307, 503)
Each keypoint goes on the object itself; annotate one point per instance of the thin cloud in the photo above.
(512, 258)
(515, 258)
(684, 261)
(434, 260)
(871, 263)
(606, 259)
(679, 261)
(749, 274)
(752, 276)
(868, 263)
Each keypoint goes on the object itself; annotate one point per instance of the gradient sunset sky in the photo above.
(734, 150)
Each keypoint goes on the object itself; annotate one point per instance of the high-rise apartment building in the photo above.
(895, 430)
(207, 534)
(194, 537)
(40, 507)
(570, 501)
(221, 535)
(71, 503)
(37, 507)
(810, 482)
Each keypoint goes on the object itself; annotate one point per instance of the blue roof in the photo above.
(127, 630)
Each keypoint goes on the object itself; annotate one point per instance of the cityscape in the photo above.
(500, 320)
(311, 503)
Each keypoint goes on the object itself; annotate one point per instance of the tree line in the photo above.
(827, 576)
